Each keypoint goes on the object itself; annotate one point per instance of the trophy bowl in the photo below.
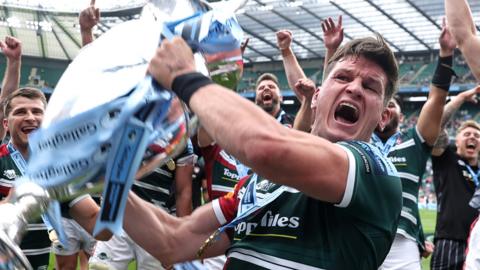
(108, 123)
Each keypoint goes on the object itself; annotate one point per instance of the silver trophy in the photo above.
(107, 124)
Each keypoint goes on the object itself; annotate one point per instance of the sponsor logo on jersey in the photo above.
(380, 164)
(230, 174)
(269, 220)
(362, 156)
(398, 159)
(10, 174)
(265, 185)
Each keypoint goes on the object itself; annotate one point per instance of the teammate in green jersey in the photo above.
(409, 153)
(350, 188)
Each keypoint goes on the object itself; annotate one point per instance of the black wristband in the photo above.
(187, 84)
(443, 73)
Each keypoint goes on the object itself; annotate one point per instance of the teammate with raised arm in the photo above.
(454, 185)
(409, 152)
(332, 37)
(12, 49)
(463, 27)
(88, 19)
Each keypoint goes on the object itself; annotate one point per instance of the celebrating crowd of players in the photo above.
(336, 187)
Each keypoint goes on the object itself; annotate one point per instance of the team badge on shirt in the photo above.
(380, 164)
(10, 174)
(265, 185)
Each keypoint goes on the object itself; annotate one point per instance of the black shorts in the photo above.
(36, 245)
(39, 262)
(448, 255)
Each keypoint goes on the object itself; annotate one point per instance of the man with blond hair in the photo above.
(463, 28)
(455, 176)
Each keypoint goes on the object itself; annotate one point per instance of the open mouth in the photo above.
(346, 113)
(28, 130)
(471, 145)
(267, 97)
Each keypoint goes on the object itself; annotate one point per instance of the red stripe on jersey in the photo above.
(211, 155)
(229, 203)
(4, 191)
(4, 150)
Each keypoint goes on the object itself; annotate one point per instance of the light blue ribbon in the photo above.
(84, 143)
(127, 153)
(250, 203)
(473, 174)
(387, 147)
(17, 158)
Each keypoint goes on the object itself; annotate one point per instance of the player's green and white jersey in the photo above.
(410, 155)
(296, 231)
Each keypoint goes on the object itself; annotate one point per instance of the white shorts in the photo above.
(403, 254)
(77, 239)
(472, 262)
(118, 252)
(215, 263)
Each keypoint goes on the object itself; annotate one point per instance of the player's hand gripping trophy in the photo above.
(107, 123)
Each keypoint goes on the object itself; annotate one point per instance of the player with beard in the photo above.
(222, 170)
(269, 97)
(409, 152)
(326, 200)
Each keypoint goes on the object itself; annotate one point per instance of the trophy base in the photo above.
(11, 256)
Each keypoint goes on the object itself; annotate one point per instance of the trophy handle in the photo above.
(28, 201)
(11, 256)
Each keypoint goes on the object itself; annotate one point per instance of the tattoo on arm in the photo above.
(442, 140)
(448, 114)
